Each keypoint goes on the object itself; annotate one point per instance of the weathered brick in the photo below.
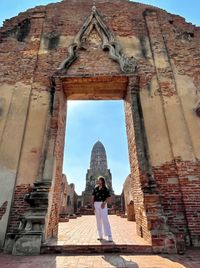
(165, 195)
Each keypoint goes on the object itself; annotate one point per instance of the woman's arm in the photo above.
(93, 202)
(105, 202)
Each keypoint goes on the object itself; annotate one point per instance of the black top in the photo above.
(101, 194)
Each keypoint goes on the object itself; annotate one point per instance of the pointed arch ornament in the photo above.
(109, 43)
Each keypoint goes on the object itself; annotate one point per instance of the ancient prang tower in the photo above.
(98, 167)
(116, 50)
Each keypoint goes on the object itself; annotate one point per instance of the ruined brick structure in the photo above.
(127, 192)
(98, 167)
(118, 50)
(64, 195)
(68, 199)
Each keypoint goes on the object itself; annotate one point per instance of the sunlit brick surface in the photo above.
(190, 260)
(82, 231)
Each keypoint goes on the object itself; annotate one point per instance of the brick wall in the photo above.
(19, 206)
(151, 221)
(135, 184)
(31, 56)
(127, 191)
(179, 191)
(64, 187)
(189, 178)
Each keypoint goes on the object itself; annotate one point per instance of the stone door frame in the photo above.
(150, 220)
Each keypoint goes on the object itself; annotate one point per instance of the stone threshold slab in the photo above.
(82, 249)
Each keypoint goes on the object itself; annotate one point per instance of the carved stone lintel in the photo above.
(72, 50)
(127, 65)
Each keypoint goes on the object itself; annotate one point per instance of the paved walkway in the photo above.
(190, 260)
(82, 231)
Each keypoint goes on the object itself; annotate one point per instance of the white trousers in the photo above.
(102, 220)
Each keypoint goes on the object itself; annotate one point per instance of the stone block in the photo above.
(9, 243)
(27, 245)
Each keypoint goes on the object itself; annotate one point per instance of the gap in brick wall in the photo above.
(88, 122)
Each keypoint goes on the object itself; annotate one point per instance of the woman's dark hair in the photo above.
(103, 181)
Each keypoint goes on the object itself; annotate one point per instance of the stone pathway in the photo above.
(82, 231)
(190, 260)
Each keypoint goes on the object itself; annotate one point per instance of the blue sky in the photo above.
(90, 121)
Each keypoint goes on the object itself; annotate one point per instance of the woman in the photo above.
(101, 195)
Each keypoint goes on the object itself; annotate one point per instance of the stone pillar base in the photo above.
(23, 244)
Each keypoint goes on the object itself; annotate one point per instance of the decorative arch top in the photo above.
(95, 21)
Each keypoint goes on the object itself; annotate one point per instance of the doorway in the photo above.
(148, 209)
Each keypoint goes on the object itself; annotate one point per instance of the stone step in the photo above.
(41, 189)
(42, 184)
(64, 220)
(39, 195)
(38, 202)
(88, 249)
(37, 210)
(33, 218)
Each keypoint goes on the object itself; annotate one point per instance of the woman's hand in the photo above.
(103, 205)
(93, 207)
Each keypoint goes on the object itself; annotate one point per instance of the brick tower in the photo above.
(98, 167)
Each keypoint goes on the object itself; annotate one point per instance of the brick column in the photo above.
(150, 219)
(175, 178)
(55, 156)
(12, 139)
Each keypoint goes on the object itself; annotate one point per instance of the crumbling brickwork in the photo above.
(19, 206)
(128, 195)
(161, 94)
(177, 190)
